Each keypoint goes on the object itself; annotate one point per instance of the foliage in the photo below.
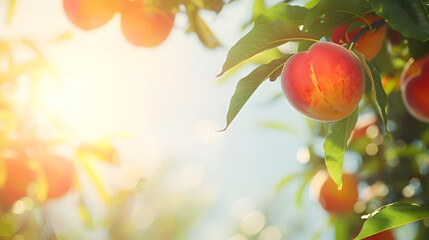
(285, 22)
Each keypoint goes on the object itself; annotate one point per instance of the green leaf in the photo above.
(275, 75)
(284, 181)
(335, 145)
(325, 6)
(312, 3)
(410, 17)
(300, 192)
(330, 14)
(381, 96)
(383, 62)
(282, 11)
(377, 90)
(261, 58)
(263, 37)
(418, 49)
(248, 85)
(197, 24)
(344, 226)
(258, 8)
(391, 216)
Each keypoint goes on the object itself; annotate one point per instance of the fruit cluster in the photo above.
(50, 174)
(327, 82)
(141, 24)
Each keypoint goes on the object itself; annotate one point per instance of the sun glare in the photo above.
(59, 99)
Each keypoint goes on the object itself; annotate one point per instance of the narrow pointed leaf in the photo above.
(408, 17)
(261, 58)
(284, 182)
(258, 8)
(377, 90)
(335, 145)
(260, 38)
(275, 75)
(311, 3)
(282, 11)
(301, 189)
(197, 25)
(330, 14)
(391, 216)
(328, 6)
(418, 49)
(247, 86)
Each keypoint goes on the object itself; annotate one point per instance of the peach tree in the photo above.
(360, 75)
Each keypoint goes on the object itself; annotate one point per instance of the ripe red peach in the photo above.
(385, 235)
(325, 83)
(415, 88)
(59, 174)
(337, 201)
(145, 26)
(369, 44)
(19, 174)
(90, 14)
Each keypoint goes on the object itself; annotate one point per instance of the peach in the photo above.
(385, 235)
(337, 201)
(415, 88)
(325, 83)
(369, 44)
(90, 14)
(19, 175)
(59, 174)
(145, 26)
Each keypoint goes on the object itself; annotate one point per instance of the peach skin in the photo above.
(325, 83)
(415, 88)
(19, 175)
(90, 14)
(59, 174)
(339, 201)
(145, 26)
